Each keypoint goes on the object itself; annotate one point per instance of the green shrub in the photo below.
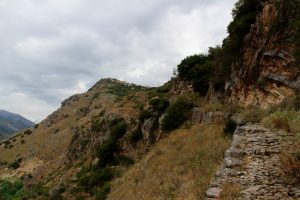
(118, 130)
(145, 114)
(95, 178)
(106, 152)
(28, 132)
(198, 69)
(176, 114)
(102, 193)
(135, 136)
(159, 104)
(36, 191)
(15, 165)
(9, 189)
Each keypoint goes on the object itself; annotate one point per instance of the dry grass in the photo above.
(285, 120)
(289, 121)
(50, 141)
(254, 114)
(231, 191)
(212, 107)
(178, 167)
(291, 167)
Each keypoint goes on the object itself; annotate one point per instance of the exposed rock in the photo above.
(150, 129)
(181, 87)
(268, 72)
(238, 119)
(201, 116)
(214, 192)
(253, 162)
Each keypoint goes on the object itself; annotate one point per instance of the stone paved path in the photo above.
(253, 163)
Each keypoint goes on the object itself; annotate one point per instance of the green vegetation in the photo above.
(244, 14)
(213, 67)
(176, 114)
(95, 178)
(144, 114)
(9, 189)
(14, 190)
(286, 117)
(135, 136)
(198, 69)
(102, 193)
(123, 89)
(159, 104)
(161, 91)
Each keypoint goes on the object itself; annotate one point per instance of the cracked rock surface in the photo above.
(253, 163)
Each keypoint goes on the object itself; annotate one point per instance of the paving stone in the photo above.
(253, 162)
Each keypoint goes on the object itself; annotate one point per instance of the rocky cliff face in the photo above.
(268, 71)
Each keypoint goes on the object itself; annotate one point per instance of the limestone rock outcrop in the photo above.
(268, 71)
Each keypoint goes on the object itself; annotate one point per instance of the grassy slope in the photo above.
(178, 167)
(49, 142)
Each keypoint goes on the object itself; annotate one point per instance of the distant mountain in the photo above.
(11, 123)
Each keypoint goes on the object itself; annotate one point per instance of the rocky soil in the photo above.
(253, 165)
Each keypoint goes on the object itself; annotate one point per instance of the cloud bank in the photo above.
(52, 49)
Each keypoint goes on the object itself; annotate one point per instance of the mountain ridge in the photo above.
(11, 123)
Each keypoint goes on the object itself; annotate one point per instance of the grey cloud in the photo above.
(52, 49)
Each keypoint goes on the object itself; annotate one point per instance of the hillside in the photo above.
(123, 141)
(11, 123)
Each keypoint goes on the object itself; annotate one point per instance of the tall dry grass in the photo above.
(178, 167)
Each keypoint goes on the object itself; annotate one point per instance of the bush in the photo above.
(135, 136)
(9, 189)
(106, 152)
(28, 132)
(176, 114)
(102, 193)
(145, 114)
(281, 120)
(159, 104)
(95, 178)
(15, 165)
(254, 114)
(198, 69)
(230, 126)
(118, 130)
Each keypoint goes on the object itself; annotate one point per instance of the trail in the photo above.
(253, 165)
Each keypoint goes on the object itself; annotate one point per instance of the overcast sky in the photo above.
(51, 49)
